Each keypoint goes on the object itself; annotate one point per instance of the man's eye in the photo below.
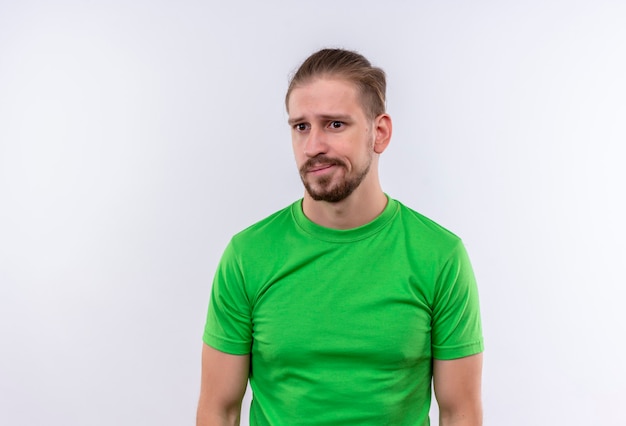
(300, 127)
(336, 124)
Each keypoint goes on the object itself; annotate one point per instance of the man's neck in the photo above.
(358, 209)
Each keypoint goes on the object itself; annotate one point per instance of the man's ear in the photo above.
(382, 129)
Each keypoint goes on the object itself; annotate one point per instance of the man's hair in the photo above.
(349, 65)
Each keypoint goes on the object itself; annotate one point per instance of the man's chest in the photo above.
(349, 314)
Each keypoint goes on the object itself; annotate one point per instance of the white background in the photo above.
(137, 136)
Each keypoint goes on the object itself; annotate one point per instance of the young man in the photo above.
(342, 308)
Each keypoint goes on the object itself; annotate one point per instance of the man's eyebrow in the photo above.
(323, 117)
(335, 117)
(295, 120)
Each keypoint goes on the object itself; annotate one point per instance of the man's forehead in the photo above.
(327, 84)
(330, 96)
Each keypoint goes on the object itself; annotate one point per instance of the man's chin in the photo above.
(334, 195)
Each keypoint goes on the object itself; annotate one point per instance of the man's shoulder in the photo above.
(428, 229)
(261, 246)
(277, 222)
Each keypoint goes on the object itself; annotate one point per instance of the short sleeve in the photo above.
(228, 325)
(456, 323)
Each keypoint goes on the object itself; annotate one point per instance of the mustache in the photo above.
(320, 160)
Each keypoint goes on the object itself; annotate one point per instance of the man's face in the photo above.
(332, 137)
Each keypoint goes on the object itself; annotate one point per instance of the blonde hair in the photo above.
(347, 64)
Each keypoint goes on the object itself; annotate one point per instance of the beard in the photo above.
(323, 188)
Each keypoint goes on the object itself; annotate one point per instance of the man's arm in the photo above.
(224, 380)
(457, 389)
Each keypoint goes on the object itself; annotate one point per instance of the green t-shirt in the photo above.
(342, 325)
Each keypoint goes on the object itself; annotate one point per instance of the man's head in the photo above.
(338, 124)
(348, 65)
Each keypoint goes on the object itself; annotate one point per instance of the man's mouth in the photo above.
(321, 165)
(319, 168)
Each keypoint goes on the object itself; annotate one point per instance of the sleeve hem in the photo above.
(461, 351)
(227, 346)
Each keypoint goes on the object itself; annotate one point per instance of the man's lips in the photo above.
(320, 165)
(319, 168)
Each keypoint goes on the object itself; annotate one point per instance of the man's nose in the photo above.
(316, 142)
